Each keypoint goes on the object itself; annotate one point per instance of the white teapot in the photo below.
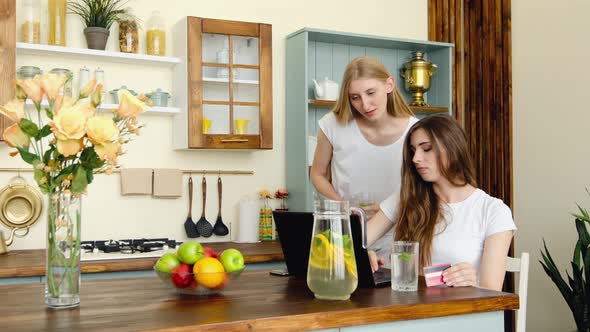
(325, 89)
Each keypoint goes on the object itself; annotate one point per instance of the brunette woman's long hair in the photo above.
(366, 67)
(420, 209)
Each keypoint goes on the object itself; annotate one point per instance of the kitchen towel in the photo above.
(248, 221)
(167, 182)
(136, 181)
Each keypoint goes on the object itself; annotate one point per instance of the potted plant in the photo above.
(576, 291)
(98, 16)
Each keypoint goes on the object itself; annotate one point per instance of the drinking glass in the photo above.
(404, 266)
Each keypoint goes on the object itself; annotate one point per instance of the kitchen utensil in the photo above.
(416, 74)
(20, 207)
(159, 97)
(219, 228)
(241, 126)
(189, 225)
(115, 93)
(203, 226)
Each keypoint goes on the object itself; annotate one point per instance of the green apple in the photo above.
(167, 262)
(232, 260)
(189, 252)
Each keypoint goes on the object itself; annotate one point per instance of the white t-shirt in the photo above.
(361, 169)
(468, 224)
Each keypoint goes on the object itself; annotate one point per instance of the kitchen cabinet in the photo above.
(316, 54)
(7, 56)
(226, 72)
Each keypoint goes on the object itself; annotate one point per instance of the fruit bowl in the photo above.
(200, 283)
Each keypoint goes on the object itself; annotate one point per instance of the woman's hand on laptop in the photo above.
(375, 260)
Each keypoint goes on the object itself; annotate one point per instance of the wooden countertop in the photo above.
(31, 263)
(256, 301)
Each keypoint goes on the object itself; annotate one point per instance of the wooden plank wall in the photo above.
(481, 32)
(7, 55)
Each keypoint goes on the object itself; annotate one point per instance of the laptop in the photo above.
(295, 230)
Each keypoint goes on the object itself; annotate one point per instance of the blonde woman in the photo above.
(359, 151)
(440, 207)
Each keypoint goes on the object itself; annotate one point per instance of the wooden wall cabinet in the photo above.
(7, 56)
(224, 84)
(315, 54)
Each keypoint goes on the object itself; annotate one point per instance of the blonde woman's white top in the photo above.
(363, 171)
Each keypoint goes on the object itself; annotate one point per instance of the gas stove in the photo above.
(125, 249)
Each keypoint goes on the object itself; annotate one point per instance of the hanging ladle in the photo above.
(219, 228)
(203, 226)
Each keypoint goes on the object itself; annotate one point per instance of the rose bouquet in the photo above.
(282, 194)
(66, 141)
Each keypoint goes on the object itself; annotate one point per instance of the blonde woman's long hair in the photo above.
(366, 67)
(420, 209)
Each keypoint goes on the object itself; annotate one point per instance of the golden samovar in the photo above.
(416, 74)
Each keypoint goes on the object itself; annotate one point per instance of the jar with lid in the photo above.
(30, 28)
(57, 22)
(156, 35)
(28, 72)
(67, 88)
(128, 34)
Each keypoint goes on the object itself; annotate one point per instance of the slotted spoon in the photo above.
(203, 226)
(219, 228)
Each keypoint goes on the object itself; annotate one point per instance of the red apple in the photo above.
(181, 276)
(209, 252)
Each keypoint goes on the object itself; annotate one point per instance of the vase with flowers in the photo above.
(66, 142)
(265, 221)
(282, 194)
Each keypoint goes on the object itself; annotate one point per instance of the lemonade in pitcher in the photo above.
(332, 273)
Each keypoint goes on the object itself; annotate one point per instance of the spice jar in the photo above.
(67, 88)
(57, 22)
(30, 28)
(128, 36)
(28, 72)
(156, 35)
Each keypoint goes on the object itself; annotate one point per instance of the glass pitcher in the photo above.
(332, 273)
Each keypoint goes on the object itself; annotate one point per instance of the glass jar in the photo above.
(28, 72)
(156, 35)
(67, 88)
(57, 22)
(30, 28)
(128, 34)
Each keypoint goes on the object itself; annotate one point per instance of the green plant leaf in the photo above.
(47, 155)
(553, 273)
(90, 159)
(89, 175)
(29, 158)
(80, 181)
(28, 127)
(44, 132)
(49, 113)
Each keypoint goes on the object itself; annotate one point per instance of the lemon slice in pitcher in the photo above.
(350, 264)
(321, 247)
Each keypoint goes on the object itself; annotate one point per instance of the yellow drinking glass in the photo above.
(241, 126)
(206, 125)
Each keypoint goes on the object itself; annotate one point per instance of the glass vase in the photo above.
(62, 275)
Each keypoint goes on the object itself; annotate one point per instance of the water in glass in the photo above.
(404, 266)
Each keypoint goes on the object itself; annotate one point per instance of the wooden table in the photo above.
(257, 301)
(31, 263)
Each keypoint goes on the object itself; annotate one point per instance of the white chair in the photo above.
(520, 265)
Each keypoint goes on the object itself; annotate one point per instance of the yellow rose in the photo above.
(69, 147)
(109, 151)
(14, 110)
(129, 105)
(32, 89)
(69, 123)
(62, 102)
(87, 90)
(96, 98)
(15, 137)
(51, 84)
(101, 130)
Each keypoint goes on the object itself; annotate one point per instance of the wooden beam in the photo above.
(7, 55)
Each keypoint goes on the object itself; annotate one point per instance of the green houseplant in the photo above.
(98, 16)
(576, 291)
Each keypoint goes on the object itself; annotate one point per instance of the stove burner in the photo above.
(128, 246)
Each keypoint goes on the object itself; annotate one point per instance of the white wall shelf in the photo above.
(49, 50)
(155, 110)
(226, 80)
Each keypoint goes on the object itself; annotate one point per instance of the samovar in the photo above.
(416, 74)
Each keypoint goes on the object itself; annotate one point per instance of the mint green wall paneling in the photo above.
(356, 51)
(440, 93)
(374, 52)
(340, 58)
(296, 119)
(323, 61)
(312, 113)
(403, 56)
(389, 60)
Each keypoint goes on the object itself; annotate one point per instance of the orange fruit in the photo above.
(209, 272)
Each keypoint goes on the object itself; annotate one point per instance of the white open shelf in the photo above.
(226, 80)
(107, 107)
(131, 58)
